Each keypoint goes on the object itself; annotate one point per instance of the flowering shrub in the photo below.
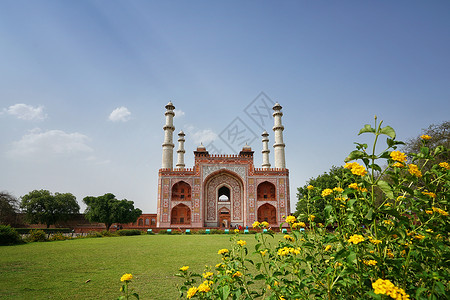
(126, 279)
(385, 234)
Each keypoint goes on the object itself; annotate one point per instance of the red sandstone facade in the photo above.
(222, 190)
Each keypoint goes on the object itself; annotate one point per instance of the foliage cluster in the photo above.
(9, 236)
(37, 235)
(108, 210)
(41, 206)
(128, 232)
(9, 207)
(396, 245)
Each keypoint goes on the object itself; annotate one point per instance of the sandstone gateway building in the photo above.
(222, 190)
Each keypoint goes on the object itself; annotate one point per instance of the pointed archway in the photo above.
(268, 213)
(180, 214)
(223, 189)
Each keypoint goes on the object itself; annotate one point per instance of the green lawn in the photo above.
(60, 270)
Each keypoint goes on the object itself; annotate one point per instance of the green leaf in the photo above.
(369, 214)
(259, 277)
(355, 154)
(366, 128)
(351, 258)
(135, 295)
(389, 131)
(425, 150)
(386, 188)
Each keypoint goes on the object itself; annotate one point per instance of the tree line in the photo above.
(44, 207)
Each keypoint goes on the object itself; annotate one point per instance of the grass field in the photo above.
(60, 270)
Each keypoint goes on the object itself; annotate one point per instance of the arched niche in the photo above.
(180, 214)
(268, 213)
(266, 192)
(181, 191)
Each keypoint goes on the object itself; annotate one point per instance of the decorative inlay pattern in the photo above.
(236, 196)
(208, 169)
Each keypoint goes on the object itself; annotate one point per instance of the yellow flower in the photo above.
(370, 262)
(425, 137)
(236, 231)
(264, 224)
(289, 238)
(386, 287)
(375, 241)
(338, 189)
(430, 194)
(398, 156)
(126, 277)
(327, 248)
(389, 253)
(398, 165)
(388, 222)
(298, 224)
(241, 243)
(414, 170)
(207, 274)
(327, 192)
(184, 268)
(429, 230)
(311, 218)
(420, 237)
(353, 185)
(223, 251)
(310, 187)
(356, 239)
(363, 190)
(204, 287)
(263, 253)
(290, 219)
(237, 274)
(351, 165)
(359, 170)
(337, 264)
(191, 292)
(430, 212)
(219, 265)
(444, 165)
(256, 224)
(438, 210)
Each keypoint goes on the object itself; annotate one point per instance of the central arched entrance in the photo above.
(223, 205)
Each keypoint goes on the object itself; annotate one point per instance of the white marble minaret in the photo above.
(265, 151)
(280, 160)
(167, 155)
(181, 151)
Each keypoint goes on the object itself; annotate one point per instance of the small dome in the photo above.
(201, 147)
(181, 133)
(246, 148)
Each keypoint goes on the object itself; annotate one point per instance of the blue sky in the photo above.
(66, 66)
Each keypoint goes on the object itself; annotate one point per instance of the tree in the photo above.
(108, 210)
(8, 208)
(326, 180)
(439, 136)
(41, 206)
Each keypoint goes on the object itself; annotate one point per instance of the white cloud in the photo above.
(178, 113)
(27, 112)
(120, 114)
(40, 144)
(200, 135)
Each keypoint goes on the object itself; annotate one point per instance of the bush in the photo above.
(59, 237)
(9, 236)
(128, 232)
(391, 236)
(46, 230)
(108, 233)
(37, 235)
(163, 231)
